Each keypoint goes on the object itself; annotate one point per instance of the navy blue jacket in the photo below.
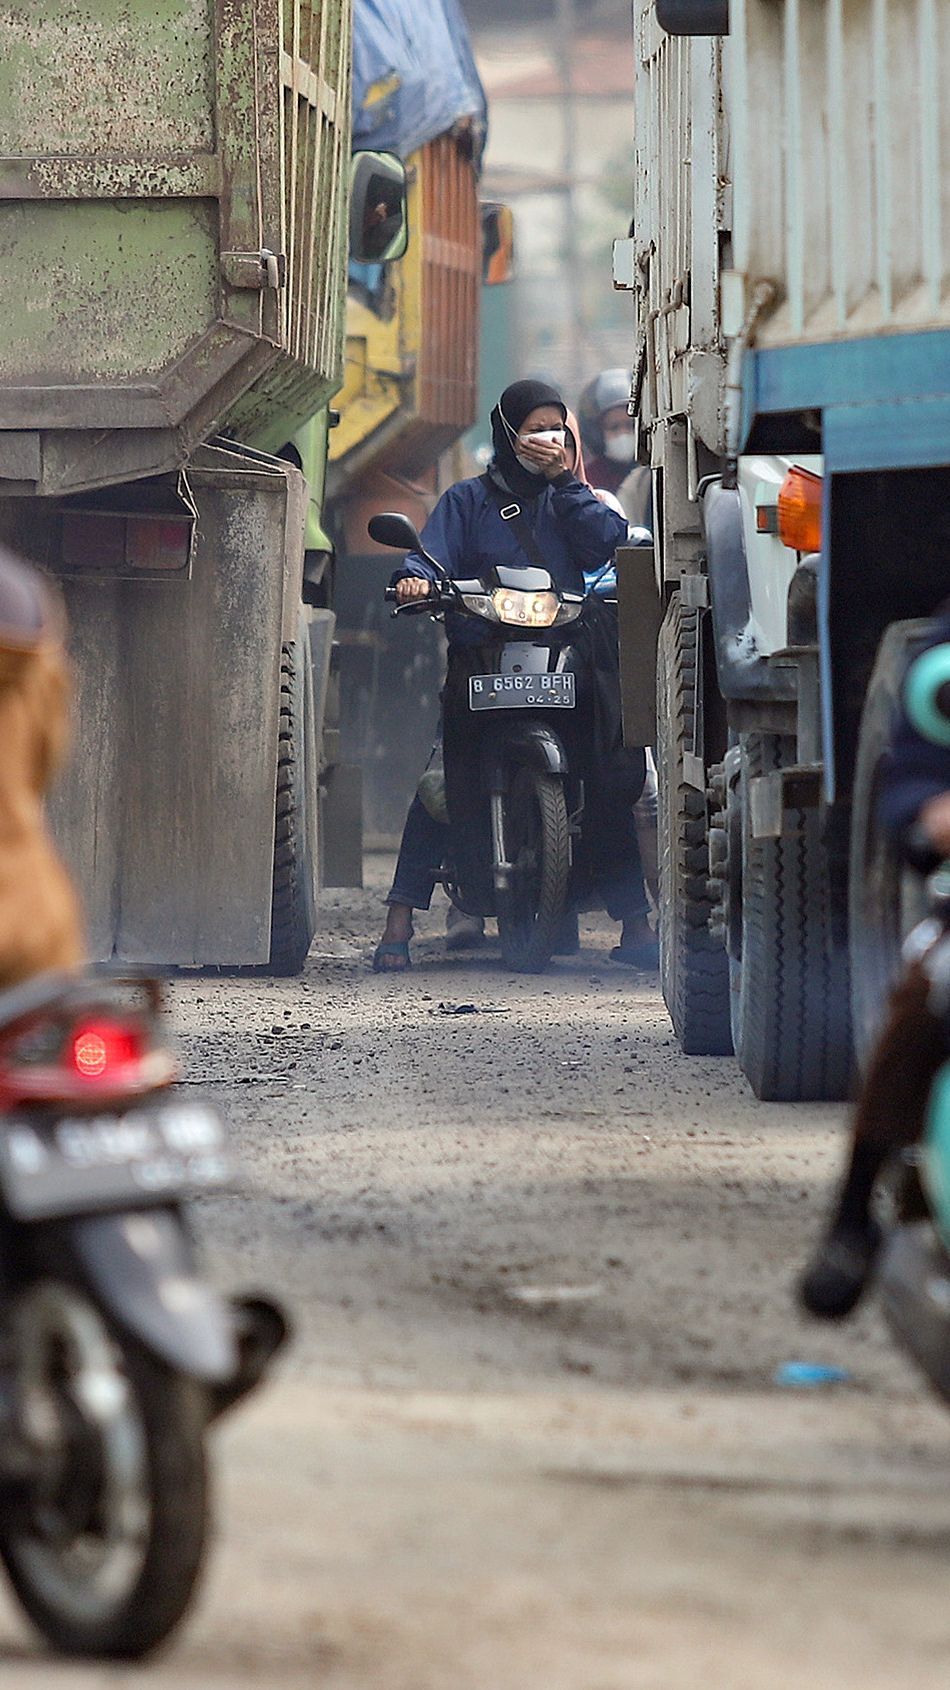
(573, 531)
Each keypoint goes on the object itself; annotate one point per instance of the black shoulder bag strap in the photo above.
(510, 511)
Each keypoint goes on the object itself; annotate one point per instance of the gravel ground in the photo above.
(528, 1436)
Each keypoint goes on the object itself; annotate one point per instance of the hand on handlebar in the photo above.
(410, 587)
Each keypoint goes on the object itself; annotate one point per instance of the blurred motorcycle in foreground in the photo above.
(892, 1214)
(115, 1355)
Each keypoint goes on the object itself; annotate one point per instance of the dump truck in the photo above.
(175, 205)
(789, 259)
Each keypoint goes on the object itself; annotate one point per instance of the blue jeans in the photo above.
(421, 852)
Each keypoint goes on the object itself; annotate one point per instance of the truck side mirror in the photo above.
(379, 217)
(498, 243)
(693, 17)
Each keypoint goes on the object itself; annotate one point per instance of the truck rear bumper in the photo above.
(883, 402)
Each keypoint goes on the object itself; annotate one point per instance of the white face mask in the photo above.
(551, 436)
(619, 447)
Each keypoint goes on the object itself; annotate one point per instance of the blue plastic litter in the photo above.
(805, 1375)
(414, 75)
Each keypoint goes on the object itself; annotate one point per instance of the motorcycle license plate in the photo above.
(74, 1165)
(525, 692)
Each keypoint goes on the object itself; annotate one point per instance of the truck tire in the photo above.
(694, 969)
(791, 1018)
(885, 897)
(293, 904)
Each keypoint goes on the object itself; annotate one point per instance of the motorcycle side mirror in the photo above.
(391, 528)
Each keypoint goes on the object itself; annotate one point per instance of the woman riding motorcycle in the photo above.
(469, 531)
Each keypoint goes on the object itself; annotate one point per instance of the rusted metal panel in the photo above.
(681, 221)
(166, 811)
(106, 78)
(451, 284)
(842, 164)
(168, 176)
(151, 151)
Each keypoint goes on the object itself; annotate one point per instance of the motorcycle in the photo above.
(115, 1355)
(525, 683)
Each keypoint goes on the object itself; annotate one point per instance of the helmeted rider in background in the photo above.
(610, 445)
(574, 532)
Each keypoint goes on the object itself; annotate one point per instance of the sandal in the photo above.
(394, 948)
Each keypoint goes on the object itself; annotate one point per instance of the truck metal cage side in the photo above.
(172, 189)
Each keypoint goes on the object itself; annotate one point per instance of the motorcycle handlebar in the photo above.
(416, 606)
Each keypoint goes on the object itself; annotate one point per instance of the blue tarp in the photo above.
(414, 75)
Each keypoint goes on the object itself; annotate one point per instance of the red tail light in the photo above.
(96, 1050)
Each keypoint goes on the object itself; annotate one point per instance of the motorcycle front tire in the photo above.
(538, 845)
(117, 1601)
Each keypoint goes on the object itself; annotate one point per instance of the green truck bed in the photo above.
(172, 240)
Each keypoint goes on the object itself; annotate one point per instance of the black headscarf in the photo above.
(516, 403)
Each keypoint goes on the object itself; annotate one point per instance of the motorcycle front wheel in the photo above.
(105, 1548)
(538, 846)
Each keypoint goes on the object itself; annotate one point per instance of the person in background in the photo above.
(610, 445)
(607, 429)
(575, 533)
(40, 924)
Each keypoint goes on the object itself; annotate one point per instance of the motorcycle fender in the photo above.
(141, 1269)
(535, 746)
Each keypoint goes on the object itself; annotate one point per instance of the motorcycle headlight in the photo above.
(525, 610)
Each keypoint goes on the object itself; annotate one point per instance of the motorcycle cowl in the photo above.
(141, 1269)
(914, 1282)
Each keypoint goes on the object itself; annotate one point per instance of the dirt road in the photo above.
(528, 1437)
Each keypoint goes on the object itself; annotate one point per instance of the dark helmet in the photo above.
(610, 388)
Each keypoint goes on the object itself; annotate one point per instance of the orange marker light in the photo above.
(799, 510)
